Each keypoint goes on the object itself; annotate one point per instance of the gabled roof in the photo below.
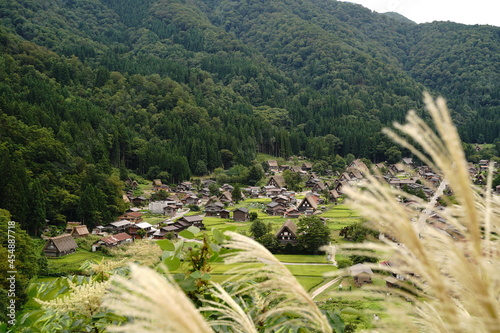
(143, 225)
(311, 199)
(334, 194)
(272, 163)
(62, 243)
(320, 185)
(172, 227)
(355, 173)
(359, 164)
(278, 179)
(119, 224)
(227, 196)
(183, 223)
(70, 225)
(242, 209)
(290, 225)
(113, 239)
(80, 230)
(399, 167)
(192, 219)
(345, 175)
(408, 160)
(360, 268)
(132, 214)
(273, 204)
(216, 204)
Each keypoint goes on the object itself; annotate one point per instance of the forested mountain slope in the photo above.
(462, 63)
(169, 89)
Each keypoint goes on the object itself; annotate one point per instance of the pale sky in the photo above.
(423, 11)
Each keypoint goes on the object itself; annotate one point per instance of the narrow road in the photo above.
(421, 224)
(325, 286)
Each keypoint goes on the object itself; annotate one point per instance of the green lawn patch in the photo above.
(143, 189)
(309, 282)
(307, 278)
(341, 222)
(310, 270)
(153, 219)
(339, 211)
(221, 268)
(70, 264)
(301, 258)
(264, 201)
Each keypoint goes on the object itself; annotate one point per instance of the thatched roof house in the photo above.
(287, 233)
(277, 181)
(60, 246)
(71, 225)
(79, 231)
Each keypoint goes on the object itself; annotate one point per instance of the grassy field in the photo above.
(302, 258)
(308, 269)
(339, 211)
(369, 306)
(309, 282)
(309, 276)
(72, 262)
(154, 219)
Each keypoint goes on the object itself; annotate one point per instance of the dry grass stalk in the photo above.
(458, 281)
(154, 303)
(231, 314)
(276, 281)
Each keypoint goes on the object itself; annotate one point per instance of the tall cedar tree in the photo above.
(312, 233)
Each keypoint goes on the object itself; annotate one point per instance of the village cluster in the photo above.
(284, 203)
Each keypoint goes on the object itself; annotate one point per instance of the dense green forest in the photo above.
(91, 90)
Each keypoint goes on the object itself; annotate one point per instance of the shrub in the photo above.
(86, 242)
(194, 208)
(344, 263)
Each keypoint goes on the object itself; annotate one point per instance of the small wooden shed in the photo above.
(361, 273)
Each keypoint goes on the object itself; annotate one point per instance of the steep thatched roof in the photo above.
(272, 163)
(70, 225)
(290, 225)
(311, 199)
(79, 231)
(62, 243)
(278, 180)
